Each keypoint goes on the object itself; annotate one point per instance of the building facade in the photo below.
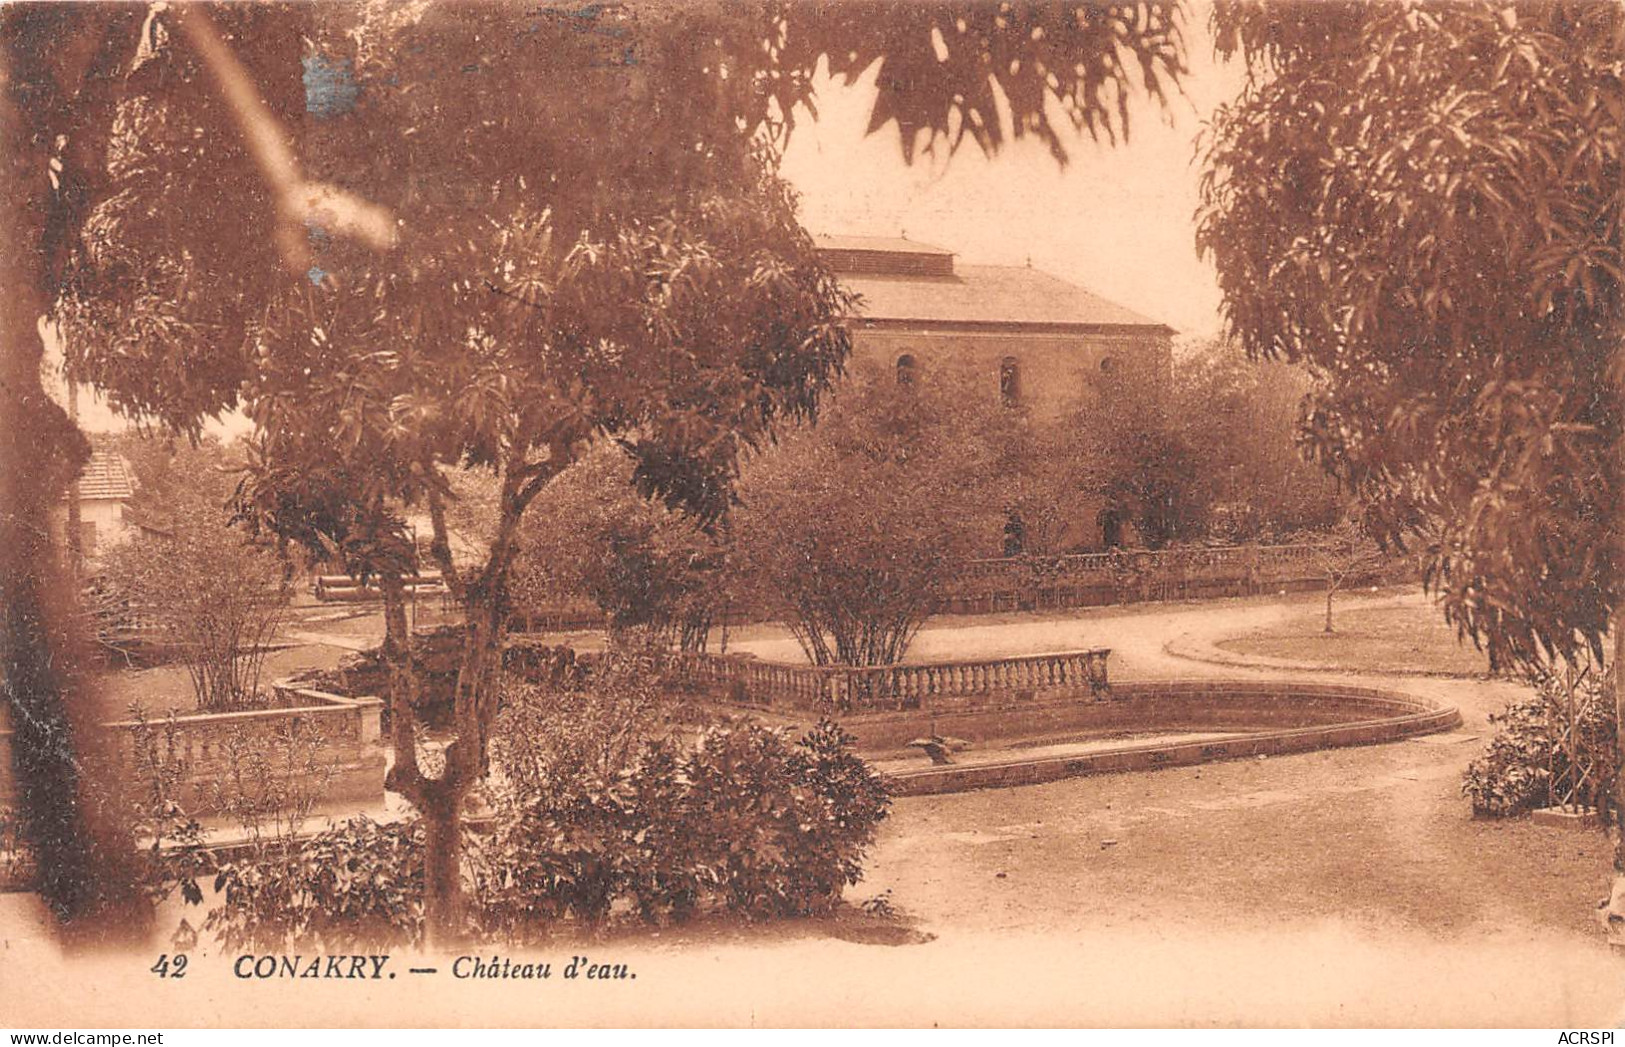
(1012, 334)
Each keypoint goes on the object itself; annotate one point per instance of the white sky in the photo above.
(1118, 220)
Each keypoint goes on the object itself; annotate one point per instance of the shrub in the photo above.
(853, 800)
(578, 724)
(841, 533)
(784, 827)
(1524, 761)
(436, 656)
(669, 880)
(270, 782)
(211, 594)
(436, 659)
(643, 564)
(745, 822)
(563, 855)
(355, 886)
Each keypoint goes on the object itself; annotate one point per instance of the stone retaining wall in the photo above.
(199, 744)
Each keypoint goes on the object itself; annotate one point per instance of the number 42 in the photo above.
(170, 966)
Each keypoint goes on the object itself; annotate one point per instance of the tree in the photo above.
(215, 596)
(644, 565)
(363, 395)
(1024, 476)
(86, 868)
(1423, 201)
(1344, 555)
(848, 531)
(1239, 419)
(434, 291)
(1137, 462)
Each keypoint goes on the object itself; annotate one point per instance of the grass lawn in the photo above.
(163, 688)
(1406, 636)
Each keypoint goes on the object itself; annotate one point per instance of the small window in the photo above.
(1009, 381)
(905, 369)
(1108, 365)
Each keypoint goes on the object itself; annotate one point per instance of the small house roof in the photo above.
(105, 478)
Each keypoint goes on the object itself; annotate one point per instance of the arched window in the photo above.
(1009, 381)
(1108, 365)
(905, 369)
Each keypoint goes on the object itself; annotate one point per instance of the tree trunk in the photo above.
(1612, 912)
(75, 535)
(441, 808)
(86, 874)
(397, 648)
(1331, 591)
(438, 800)
(478, 680)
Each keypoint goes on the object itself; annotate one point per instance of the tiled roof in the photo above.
(105, 477)
(1003, 294)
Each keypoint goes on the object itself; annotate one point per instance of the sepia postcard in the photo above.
(805, 513)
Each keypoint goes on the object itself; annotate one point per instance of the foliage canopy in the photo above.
(1422, 202)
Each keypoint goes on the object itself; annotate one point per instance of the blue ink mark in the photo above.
(585, 20)
(330, 87)
(316, 273)
(316, 234)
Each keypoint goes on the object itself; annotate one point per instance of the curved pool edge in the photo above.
(1410, 716)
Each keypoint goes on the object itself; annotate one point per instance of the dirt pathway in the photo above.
(1342, 887)
(1347, 887)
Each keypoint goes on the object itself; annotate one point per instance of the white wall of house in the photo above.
(103, 523)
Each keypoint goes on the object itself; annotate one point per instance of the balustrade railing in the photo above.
(1262, 558)
(926, 685)
(1063, 581)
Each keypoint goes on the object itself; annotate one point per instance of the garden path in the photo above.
(1346, 887)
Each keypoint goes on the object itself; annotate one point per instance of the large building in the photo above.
(1013, 334)
(1030, 336)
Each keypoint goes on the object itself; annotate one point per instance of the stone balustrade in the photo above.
(199, 746)
(1268, 559)
(988, 586)
(986, 683)
(1129, 576)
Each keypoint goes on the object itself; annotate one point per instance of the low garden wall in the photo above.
(933, 686)
(200, 746)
